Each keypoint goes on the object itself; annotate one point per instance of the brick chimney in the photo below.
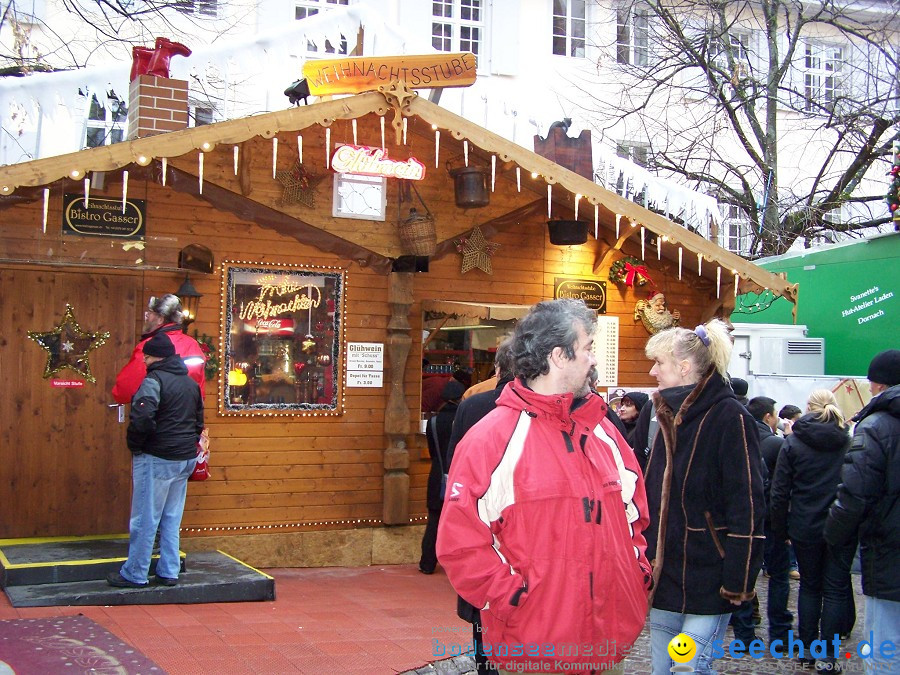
(156, 105)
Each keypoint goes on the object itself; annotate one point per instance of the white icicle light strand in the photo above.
(328, 147)
(680, 257)
(718, 282)
(124, 189)
(46, 208)
(437, 147)
(300, 148)
(659, 247)
(405, 126)
(274, 156)
(642, 243)
(577, 199)
(549, 199)
(236, 154)
(200, 172)
(699, 264)
(466, 151)
(596, 221)
(381, 119)
(518, 179)
(618, 221)
(165, 169)
(493, 171)
(353, 124)
(736, 281)
(87, 191)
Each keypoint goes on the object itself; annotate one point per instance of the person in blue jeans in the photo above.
(868, 505)
(164, 428)
(704, 491)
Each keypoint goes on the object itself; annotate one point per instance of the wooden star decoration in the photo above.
(299, 185)
(68, 346)
(477, 252)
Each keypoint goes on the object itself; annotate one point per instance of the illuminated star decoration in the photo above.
(299, 185)
(68, 346)
(477, 252)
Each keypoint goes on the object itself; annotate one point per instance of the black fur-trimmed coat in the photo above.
(706, 499)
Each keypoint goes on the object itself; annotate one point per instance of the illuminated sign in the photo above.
(365, 73)
(374, 162)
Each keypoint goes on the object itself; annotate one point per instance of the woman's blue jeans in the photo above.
(159, 488)
(703, 628)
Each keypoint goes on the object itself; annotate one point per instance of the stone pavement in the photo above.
(639, 660)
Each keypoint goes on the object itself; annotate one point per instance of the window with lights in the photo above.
(569, 27)
(306, 8)
(457, 25)
(633, 35)
(823, 76)
(105, 122)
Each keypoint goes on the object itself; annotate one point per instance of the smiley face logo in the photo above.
(682, 648)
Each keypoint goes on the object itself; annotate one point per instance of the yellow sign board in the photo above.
(357, 74)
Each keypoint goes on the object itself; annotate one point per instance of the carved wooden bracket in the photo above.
(398, 96)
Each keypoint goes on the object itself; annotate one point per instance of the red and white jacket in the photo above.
(542, 528)
(133, 373)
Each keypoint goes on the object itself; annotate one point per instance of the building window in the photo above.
(632, 36)
(823, 69)
(198, 7)
(737, 48)
(308, 8)
(105, 123)
(639, 153)
(202, 116)
(357, 196)
(457, 25)
(569, 23)
(735, 229)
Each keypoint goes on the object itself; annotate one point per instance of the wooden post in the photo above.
(396, 415)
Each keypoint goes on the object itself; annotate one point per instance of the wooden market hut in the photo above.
(342, 483)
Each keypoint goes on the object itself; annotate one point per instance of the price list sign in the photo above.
(606, 349)
(365, 364)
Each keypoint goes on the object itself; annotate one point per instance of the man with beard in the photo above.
(162, 316)
(545, 509)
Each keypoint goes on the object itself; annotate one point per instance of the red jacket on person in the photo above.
(130, 377)
(542, 528)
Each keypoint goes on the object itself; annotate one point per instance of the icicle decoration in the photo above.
(274, 156)
(46, 208)
(382, 133)
(405, 127)
(437, 147)
(596, 221)
(642, 242)
(699, 264)
(737, 278)
(328, 146)
(618, 221)
(549, 198)
(718, 281)
(493, 171)
(353, 124)
(87, 191)
(165, 166)
(124, 189)
(680, 258)
(236, 154)
(200, 171)
(518, 179)
(577, 199)
(659, 247)
(466, 152)
(300, 148)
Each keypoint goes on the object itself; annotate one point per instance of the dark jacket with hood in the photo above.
(868, 500)
(806, 478)
(705, 494)
(166, 413)
(769, 445)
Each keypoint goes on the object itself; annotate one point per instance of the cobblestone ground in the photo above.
(639, 660)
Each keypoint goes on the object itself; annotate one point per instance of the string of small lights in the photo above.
(747, 305)
(292, 526)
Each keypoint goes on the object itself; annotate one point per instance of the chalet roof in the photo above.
(697, 255)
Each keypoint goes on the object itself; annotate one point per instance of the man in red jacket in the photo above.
(163, 315)
(545, 509)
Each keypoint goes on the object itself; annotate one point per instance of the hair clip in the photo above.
(700, 332)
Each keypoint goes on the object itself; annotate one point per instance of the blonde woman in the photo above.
(806, 479)
(704, 490)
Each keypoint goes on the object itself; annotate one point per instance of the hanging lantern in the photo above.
(471, 187)
(568, 232)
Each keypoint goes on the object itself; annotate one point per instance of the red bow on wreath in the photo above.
(636, 274)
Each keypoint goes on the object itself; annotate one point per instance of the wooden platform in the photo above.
(72, 571)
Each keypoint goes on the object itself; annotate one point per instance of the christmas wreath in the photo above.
(630, 271)
(893, 196)
(211, 368)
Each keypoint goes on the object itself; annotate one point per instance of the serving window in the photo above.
(282, 328)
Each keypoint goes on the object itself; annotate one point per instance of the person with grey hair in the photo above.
(162, 316)
(705, 492)
(543, 522)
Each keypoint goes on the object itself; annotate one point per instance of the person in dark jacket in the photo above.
(776, 553)
(868, 503)
(704, 489)
(806, 479)
(437, 433)
(629, 409)
(165, 424)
